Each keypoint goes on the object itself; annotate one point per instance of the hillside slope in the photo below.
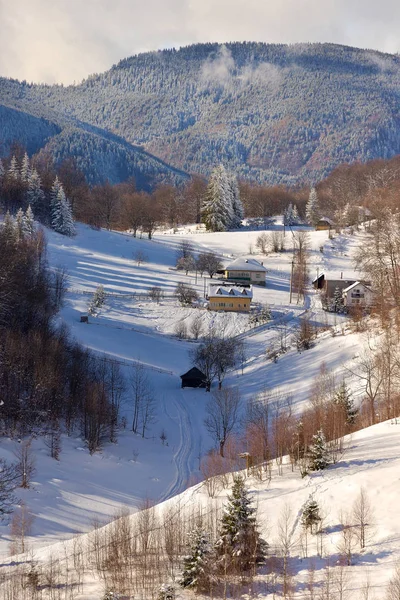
(275, 113)
(99, 154)
(370, 462)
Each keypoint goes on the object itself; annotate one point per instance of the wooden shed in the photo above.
(324, 224)
(193, 378)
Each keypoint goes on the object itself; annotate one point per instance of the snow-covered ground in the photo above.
(66, 496)
(370, 462)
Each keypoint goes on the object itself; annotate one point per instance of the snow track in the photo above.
(176, 410)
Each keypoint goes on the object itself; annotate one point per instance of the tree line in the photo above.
(58, 195)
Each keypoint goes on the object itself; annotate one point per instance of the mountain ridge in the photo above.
(272, 113)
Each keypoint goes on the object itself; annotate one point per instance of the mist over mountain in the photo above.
(271, 113)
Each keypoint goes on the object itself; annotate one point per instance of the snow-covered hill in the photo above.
(66, 496)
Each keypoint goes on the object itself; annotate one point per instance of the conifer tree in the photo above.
(288, 215)
(217, 210)
(13, 170)
(19, 224)
(55, 190)
(312, 208)
(61, 215)
(25, 168)
(310, 514)
(9, 229)
(344, 399)
(237, 206)
(35, 193)
(337, 300)
(28, 225)
(318, 452)
(197, 565)
(239, 546)
(1, 169)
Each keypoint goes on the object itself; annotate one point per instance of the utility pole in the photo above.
(291, 283)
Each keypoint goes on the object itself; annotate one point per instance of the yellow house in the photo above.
(229, 298)
(246, 270)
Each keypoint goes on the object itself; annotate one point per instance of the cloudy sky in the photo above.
(65, 40)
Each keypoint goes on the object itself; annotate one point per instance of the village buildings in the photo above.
(245, 270)
(229, 298)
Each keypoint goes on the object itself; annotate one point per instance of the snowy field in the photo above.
(66, 496)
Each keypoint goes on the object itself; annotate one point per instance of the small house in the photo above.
(324, 224)
(229, 298)
(246, 270)
(194, 378)
(358, 294)
(329, 283)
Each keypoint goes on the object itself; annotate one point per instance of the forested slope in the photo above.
(273, 113)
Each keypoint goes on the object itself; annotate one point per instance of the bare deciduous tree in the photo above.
(25, 466)
(155, 294)
(222, 415)
(196, 327)
(20, 528)
(140, 257)
(9, 478)
(186, 294)
(262, 243)
(362, 515)
(142, 394)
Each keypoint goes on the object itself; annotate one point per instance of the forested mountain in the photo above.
(272, 113)
(99, 154)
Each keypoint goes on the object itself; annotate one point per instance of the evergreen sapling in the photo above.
(197, 565)
(310, 516)
(319, 452)
(239, 547)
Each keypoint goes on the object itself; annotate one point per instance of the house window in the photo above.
(258, 275)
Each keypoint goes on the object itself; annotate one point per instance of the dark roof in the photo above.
(193, 373)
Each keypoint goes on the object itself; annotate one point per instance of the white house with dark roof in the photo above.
(358, 294)
(246, 270)
(229, 298)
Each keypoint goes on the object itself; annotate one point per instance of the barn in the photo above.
(193, 378)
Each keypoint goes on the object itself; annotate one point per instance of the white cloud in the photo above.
(65, 40)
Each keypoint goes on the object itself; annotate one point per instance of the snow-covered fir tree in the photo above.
(25, 168)
(28, 224)
(9, 229)
(344, 399)
(310, 516)
(217, 209)
(19, 224)
(319, 455)
(197, 565)
(239, 546)
(295, 215)
(97, 301)
(2, 171)
(312, 208)
(237, 206)
(288, 215)
(291, 215)
(337, 300)
(35, 193)
(55, 190)
(62, 220)
(13, 170)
